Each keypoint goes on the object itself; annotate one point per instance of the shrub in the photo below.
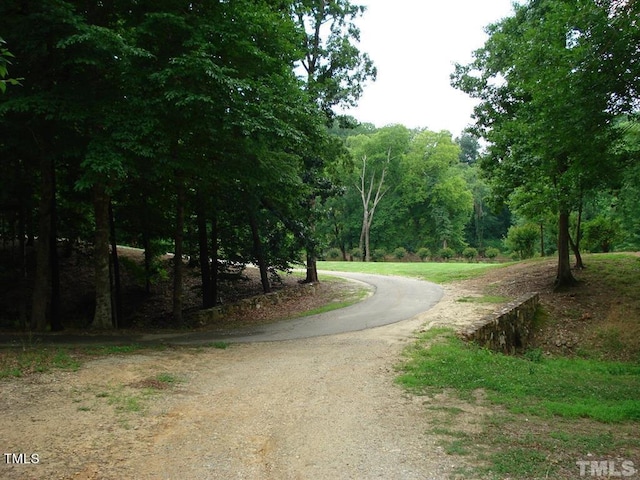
(356, 254)
(400, 253)
(334, 254)
(521, 240)
(601, 233)
(446, 253)
(378, 255)
(491, 253)
(470, 253)
(424, 253)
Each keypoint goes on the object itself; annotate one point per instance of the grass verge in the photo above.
(36, 360)
(39, 359)
(544, 415)
(350, 294)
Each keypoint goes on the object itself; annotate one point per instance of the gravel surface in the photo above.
(319, 408)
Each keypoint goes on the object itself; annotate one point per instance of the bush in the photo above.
(356, 254)
(400, 253)
(491, 253)
(521, 240)
(601, 234)
(334, 254)
(424, 253)
(446, 253)
(470, 253)
(378, 255)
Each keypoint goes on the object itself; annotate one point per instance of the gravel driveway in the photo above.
(317, 408)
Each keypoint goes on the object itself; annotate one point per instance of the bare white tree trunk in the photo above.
(368, 205)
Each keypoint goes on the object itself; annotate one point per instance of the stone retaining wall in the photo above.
(210, 315)
(507, 330)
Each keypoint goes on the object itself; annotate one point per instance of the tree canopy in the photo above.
(550, 82)
(154, 120)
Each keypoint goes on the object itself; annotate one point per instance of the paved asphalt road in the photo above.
(394, 299)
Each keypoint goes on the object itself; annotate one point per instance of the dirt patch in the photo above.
(584, 320)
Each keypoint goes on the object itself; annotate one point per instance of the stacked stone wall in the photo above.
(509, 329)
(210, 315)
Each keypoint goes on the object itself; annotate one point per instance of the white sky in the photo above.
(415, 44)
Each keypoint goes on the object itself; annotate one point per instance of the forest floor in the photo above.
(325, 407)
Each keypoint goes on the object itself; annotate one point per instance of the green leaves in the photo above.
(5, 55)
(548, 94)
(336, 69)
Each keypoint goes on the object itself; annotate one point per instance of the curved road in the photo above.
(394, 299)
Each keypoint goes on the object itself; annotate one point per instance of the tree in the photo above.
(544, 107)
(521, 240)
(381, 155)
(163, 114)
(336, 70)
(38, 116)
(335, 74)
(368, 204)
(433, 192)
(469, 148)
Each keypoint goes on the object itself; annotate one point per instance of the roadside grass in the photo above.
(484, 299)
(18, 363)
(541, 414)
(40, 359)
(350, 294)
(443, 272)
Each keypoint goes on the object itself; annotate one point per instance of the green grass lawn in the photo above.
(537, 415)
(532, 384)
(442, 272)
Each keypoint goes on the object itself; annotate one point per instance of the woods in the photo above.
(142, 123)
(210, 132)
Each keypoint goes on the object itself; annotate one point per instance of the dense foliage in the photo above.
(166, 122)
(207, 129)
(553, 82)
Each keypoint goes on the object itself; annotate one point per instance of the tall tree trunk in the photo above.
(24, 277)
(214, 259)
(117, 288)
(103, 315)
(369, 206)
(479, 223)
(259, 253)
(576, 252)
(203, 247)
(361, 243)
(42, 283)
(575, 246)
(56, 321)
(146, 245)
(312, 267)
(367, 243)
(148, 257)
(312, 270)
(312, 254)
(178, 266)
(564, 277)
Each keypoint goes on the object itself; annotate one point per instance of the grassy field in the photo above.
(538, 416)
(441, 272)
(531, 416)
